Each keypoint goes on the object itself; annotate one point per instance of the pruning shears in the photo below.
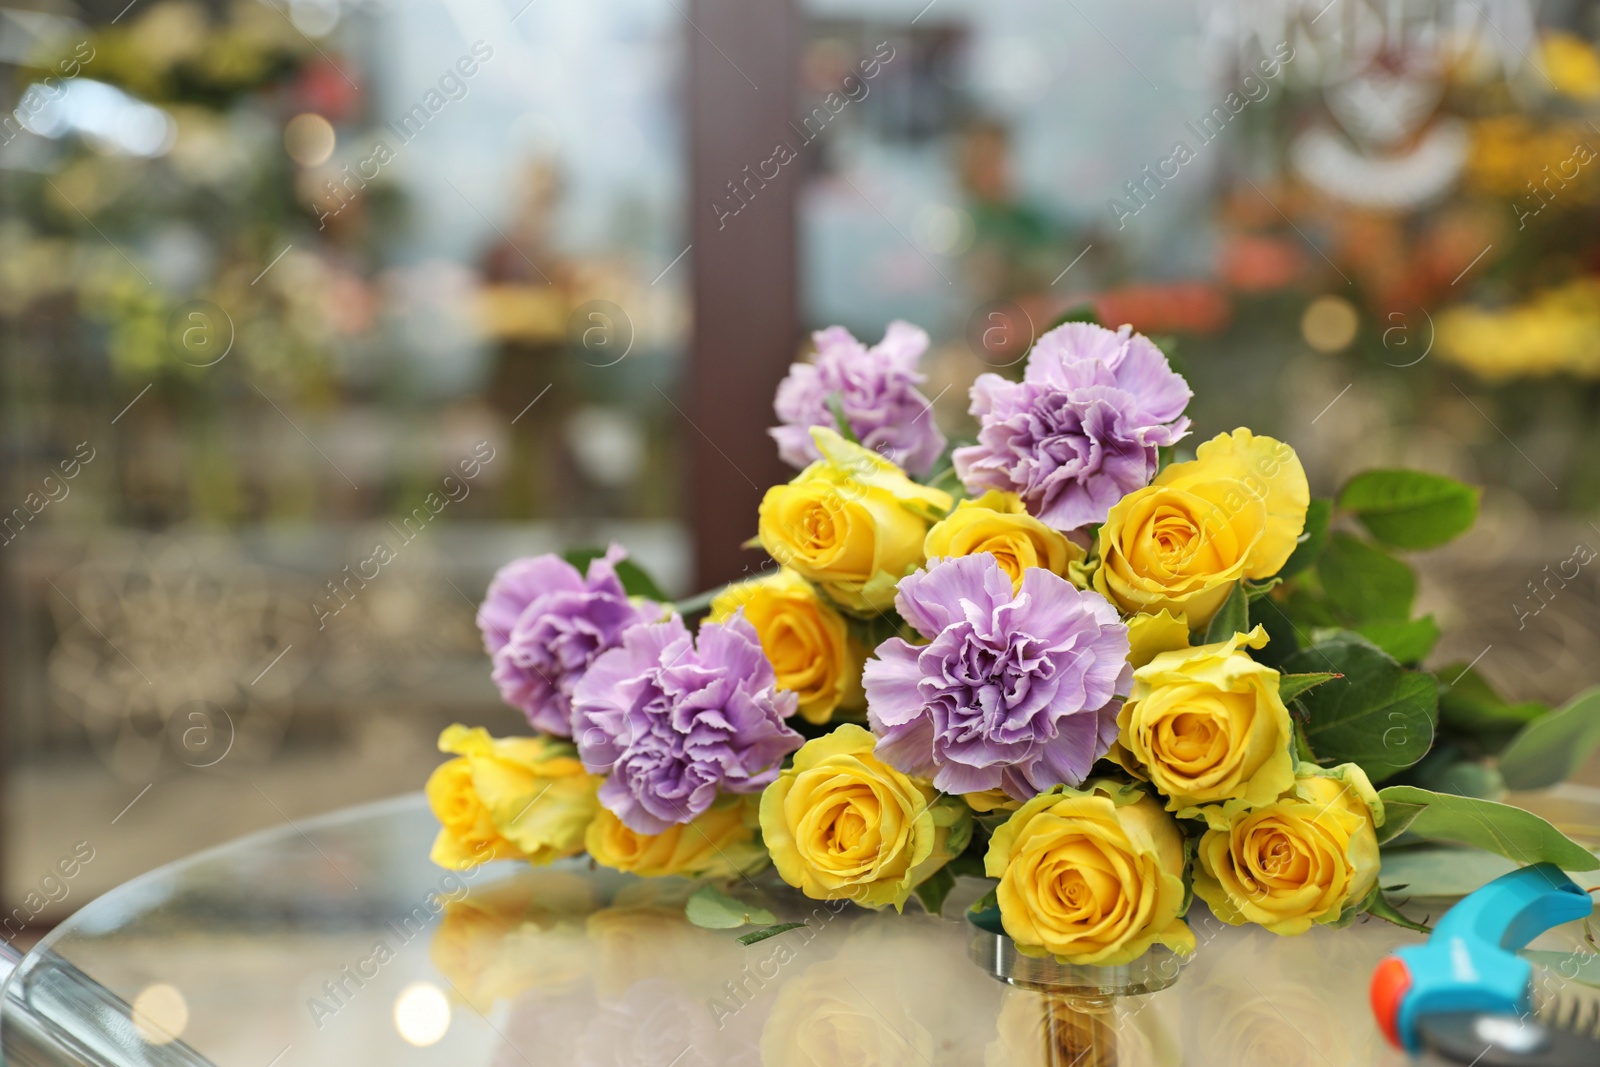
(1467, 997)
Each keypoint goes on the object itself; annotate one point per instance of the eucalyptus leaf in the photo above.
(1363, 583)
(1232, 618)
(1378, 715)
(1397, 818)
(1440, 871)
(712, 909)
(1550, 748)
(1312, 539)
(766, 932)
(1410, 509)
(1511, 832)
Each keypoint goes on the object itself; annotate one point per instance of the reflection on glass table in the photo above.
(337, 942)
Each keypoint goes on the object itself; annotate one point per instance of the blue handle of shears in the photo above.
(1470, 963)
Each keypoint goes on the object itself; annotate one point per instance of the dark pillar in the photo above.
(742, 57)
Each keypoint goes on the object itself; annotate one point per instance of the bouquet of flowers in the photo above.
(1105, 674)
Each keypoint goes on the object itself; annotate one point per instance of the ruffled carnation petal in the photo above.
(876, 391)
(677, 720)
(1014, 690)
(544, 624)
(1080, 431)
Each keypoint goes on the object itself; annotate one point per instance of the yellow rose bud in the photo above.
(718, 843)
(1180, 544)
(999, 524)
(1302, 860)
(508, 798)
(852, 522)
(804, 639)
(840, 824)
(1092, 875)
(1206, 726)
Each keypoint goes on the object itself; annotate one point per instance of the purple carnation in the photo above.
(544, 623)
(877, 392)
(1013, 692)
(1080, 431)
(675, 720)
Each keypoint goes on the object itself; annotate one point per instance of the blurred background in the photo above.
(284, 280)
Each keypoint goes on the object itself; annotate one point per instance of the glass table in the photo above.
(336, 942)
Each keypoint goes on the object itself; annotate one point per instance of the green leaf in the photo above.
(1575, 966)
(1397, 818)
(1292, 685)
(841, 422)
(1511, 832)
(1407, 642)
(636, 581)
(1312, 538)
(1363, 583)
(1232, 618)
(1550, 748)
(935, 888)
(1445, 771)
(766, 932)
(1379, 715)
(1469, 705)
(1440, 870)
(1411, 509)
(712, 909)
(1080, 313)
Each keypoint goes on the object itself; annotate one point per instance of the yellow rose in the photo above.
(509, 798)
(1151, 635)
(1206, 726)
(989, 800)
(1182, 542)
(1092, 876)
(718, 843)
(852, 522)
(999, 523)
(1302, 860)
(840, 824)
(803, 638)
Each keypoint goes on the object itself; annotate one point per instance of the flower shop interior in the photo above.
(319, 312)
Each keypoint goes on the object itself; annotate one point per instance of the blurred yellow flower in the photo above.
(1181, 543)
(1206, 726)
(840, 824)
(508, 798)
(718, 843)
(852, 522)
(1299, 861)
(1570, 63)
(999, 523)
(1555, 332)
(804, 639)
(1092, 876)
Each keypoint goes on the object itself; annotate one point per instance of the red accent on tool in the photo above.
(1390, 981)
